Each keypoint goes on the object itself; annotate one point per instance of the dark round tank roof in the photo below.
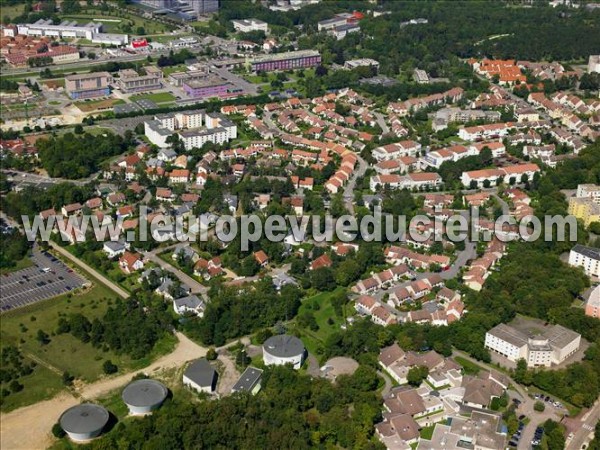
(144, 392)
(84, 418)
(284, 346)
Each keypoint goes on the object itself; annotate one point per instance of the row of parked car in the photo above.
(548, 399)
(514, 440)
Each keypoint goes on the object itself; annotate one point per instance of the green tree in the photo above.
(416, 375)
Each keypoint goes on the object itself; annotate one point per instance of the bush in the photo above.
(211, 354)
(109, 368)
(539, 406)
(57, 431)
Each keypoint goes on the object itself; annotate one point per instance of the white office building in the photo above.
(551, 346)
(248, 25)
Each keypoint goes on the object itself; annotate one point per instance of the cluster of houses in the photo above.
(457, 404)
(437, 304)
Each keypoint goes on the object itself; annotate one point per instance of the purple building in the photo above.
(207, 87)
(287, 61)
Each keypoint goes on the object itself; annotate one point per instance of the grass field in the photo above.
(10, 11)
(172, 69)
(114, 24)
(470, 368)
(315, 339)
(94, 105)
(64, 352)
(21, 264)
(158, 97)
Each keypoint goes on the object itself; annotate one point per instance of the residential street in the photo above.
(120, 291)
(196, 287)
(526, 407)
(588, 422)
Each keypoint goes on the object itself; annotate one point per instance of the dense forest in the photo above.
(293, 410)
(77, 156)
(460, 28)
(13, 248)
(31, 200)
(127, 327)
(234, 312)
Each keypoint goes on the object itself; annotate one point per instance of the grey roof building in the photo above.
(249, 381)
(283, 349)
(201, 376)
(144, 396)
(84, 422)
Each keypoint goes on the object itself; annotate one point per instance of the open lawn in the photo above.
(64, 352)
(172, 69)
(7, 11)
(114, 24)
(158, 97)
(21, 264)
(94, 105)
(325, 317)
(470, 368)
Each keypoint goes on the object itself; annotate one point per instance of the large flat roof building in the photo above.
(249, 381)
(88, 85)
(248, 25)
(286, 61)
(543, 346)
(71, 29)
(131, 81)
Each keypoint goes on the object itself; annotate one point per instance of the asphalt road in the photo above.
(47, 278)
(90, 270)
(196, 287)
(588, 423)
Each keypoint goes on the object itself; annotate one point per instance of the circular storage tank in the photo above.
(144, 396)
(283, 349)
(84, 422)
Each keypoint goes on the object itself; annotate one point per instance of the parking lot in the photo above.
(47, 278)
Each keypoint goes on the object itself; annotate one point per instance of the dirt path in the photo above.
(29, 428)
(230, 375)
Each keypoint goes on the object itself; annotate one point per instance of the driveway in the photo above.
(196, 287)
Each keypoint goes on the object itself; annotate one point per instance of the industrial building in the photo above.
(130, 81)
(71, 29)
(543, 346)
(201, 376)
(144, 396)
(84, 422)
(283, 349)
(286, 61)
(195, 128)
(88, 85)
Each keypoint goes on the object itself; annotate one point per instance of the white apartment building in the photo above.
(586, 257)
(248, 25)
(552, 346)
(594, 64)
(194, 128)
(589, 191)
